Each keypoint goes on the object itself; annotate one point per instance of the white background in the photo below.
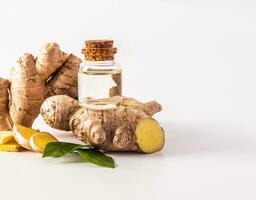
(195, 57)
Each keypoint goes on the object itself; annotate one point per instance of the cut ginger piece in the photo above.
(23, 134)
(10, 147)
(6, 136)
(39, 141)
(150, 136)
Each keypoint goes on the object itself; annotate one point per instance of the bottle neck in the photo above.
(100, 63)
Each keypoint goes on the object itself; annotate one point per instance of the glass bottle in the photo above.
(100, 77)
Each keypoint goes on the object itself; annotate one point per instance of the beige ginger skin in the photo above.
(129, 127)
(32, 81)
(5, 118)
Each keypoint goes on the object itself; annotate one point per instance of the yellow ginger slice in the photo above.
(23, 134)
(6, 136)
(39, 140)
(10, 147)
(150, 136)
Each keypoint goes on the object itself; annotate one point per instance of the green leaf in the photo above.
(96, 157)
(87, 152)
(57, 149)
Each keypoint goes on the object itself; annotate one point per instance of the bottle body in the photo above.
(99, 84)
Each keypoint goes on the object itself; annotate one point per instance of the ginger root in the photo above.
(32, 81)
(129, 127)
(5, 118)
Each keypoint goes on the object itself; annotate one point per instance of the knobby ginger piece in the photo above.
(32, 80)
(39, 141)
(5, 118)
(128, 127)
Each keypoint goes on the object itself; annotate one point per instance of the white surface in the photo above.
(196, 57)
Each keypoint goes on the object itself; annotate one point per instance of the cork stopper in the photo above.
(99, 50)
